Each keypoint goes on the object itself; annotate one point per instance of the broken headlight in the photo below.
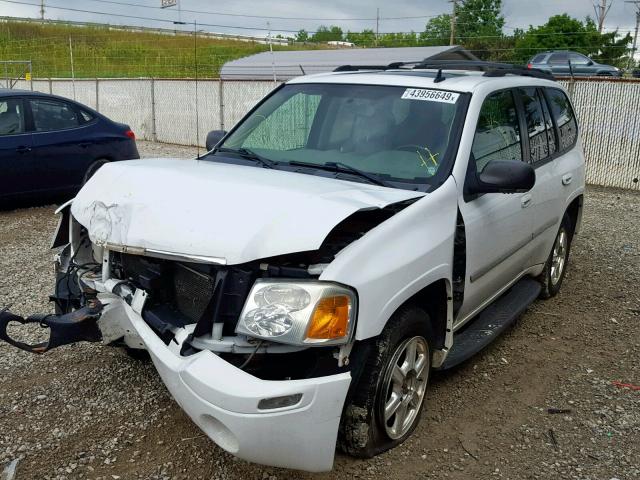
(299, 313)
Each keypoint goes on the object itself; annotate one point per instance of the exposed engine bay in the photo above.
(202, 299)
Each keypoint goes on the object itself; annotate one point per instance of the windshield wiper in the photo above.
(249, 155)
(344, 168)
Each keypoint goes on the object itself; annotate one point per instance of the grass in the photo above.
(104, 53)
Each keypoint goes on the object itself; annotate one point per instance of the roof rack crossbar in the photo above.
(490, 69)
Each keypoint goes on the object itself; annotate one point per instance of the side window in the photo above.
(564, 117)
(11, 117)
(577, 59)
(51, 115)
(536, 125)
(287, 127)
(497, 135)
(86, 117)
(551, 131)
(559, 58)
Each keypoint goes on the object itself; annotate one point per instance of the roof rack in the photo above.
(490, 69)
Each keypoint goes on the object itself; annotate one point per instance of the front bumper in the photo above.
(223, 401)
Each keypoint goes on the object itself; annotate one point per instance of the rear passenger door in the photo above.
(15, 148)
(559, 63)
(553, 134)
(61, 151)
(498, 226)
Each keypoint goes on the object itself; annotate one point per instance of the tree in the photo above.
(479, 26)
(327, 34)
(302, 36)
(562, 32)
(437, 31)
(366, 38)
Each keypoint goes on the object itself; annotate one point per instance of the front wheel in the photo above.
(93, 168)
(556, 266)
(387, 401)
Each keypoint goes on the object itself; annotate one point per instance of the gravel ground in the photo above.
(88, 411)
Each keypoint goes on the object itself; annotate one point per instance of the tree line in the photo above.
(480, 28)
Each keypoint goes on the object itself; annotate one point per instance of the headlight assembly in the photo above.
(299, 313)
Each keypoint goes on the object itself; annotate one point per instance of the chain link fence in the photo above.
(167, 111)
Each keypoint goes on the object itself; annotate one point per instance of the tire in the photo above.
(93, 168)
(556, 266)
(364, 432)
(138, 354)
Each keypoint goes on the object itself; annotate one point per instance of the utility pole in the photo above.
(635, 35)
(41, 9)
(377, 25)
(453, 21)
(601, 13)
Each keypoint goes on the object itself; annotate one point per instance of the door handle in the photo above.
(566, 179)
(525, 201)
(23, 149)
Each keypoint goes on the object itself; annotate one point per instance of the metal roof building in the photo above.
(293, 63)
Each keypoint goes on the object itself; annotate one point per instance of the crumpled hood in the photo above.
(203, 208)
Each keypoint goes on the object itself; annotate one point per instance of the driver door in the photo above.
(498, 226)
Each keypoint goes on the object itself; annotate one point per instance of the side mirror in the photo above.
(504, 176)
(213, 138)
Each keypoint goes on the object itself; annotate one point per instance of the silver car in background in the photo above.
(567, 63)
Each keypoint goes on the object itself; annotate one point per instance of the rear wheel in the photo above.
(387, 401)
(556, 266)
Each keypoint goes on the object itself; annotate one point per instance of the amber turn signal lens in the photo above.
(330, 319)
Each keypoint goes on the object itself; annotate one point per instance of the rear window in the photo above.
(539, 58)
(564, 117)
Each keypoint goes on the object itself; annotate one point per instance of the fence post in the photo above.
(97, 95)
(154, 135)
(50, 86)
(221, 98)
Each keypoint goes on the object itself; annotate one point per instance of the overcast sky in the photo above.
(518, 13)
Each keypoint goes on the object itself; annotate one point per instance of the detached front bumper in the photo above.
(223, 401)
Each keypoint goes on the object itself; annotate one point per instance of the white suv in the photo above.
(296, 285)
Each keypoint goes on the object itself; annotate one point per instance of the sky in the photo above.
(311, 13)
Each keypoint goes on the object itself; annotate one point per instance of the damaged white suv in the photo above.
(296, 285)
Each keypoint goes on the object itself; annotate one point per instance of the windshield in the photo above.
(398, 135)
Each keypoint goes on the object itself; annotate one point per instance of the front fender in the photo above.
(398, 258)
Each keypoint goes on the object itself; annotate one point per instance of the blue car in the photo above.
(50, 146)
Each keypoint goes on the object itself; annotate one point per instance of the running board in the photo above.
(493, 321)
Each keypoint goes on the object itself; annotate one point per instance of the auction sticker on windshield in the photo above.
(430, 95)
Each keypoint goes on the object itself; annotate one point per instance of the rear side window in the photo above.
(537, 127)
(11, 117)
(51, 115)
(564, 117)
(559, 58)
(86, 117)
(497, 135)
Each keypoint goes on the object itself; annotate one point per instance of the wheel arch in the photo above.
(574, 210)
(434, 298)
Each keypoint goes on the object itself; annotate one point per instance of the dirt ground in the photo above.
(89, 411)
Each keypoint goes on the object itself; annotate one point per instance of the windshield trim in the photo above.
(430, 184)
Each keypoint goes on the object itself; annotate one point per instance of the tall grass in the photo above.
(105, 53)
